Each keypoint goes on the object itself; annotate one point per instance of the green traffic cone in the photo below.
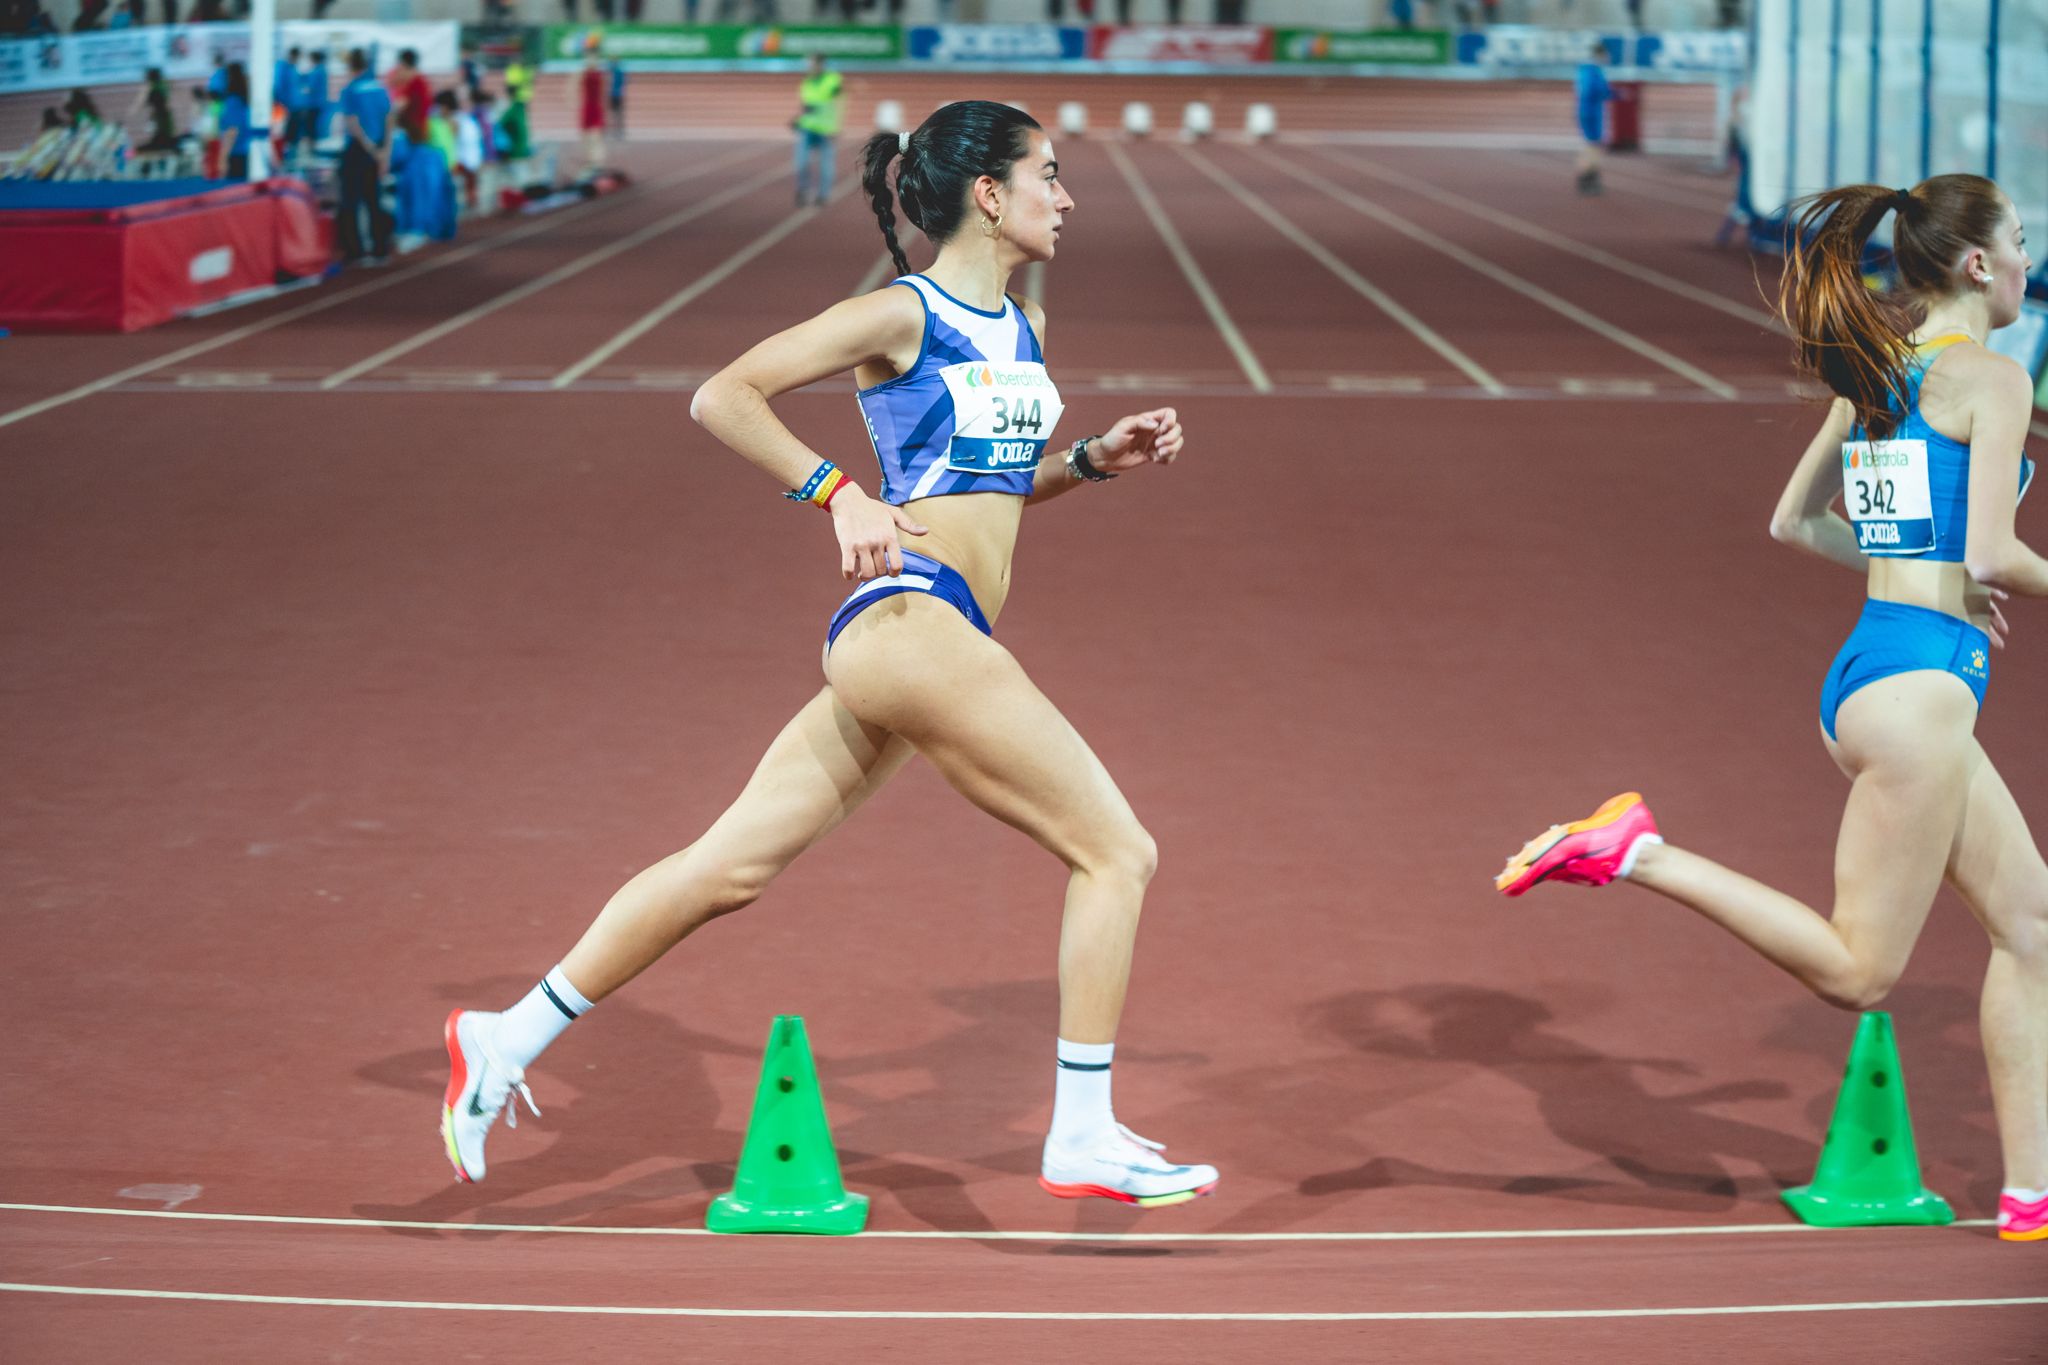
(789, 1175)
(1869, 1172)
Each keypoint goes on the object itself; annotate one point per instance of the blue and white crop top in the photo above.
(1909, 496)
(975, 411)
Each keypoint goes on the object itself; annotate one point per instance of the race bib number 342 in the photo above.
(1884, 487)
(1003, 414)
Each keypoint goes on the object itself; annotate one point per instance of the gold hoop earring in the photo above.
(991, 226)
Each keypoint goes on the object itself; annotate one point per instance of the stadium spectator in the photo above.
(313, 96)
(80, 111)
(235, 131)
(472, 144)
(155, 96)
(411, 96)
(822, 97)
(590, 107)
(124, 15)
(515, 130)
(472, 71)
(426, 183)
(616, 70)
(1594, 93)
(366, 123)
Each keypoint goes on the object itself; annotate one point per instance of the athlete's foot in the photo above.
(1589, 852)
(479, 1084)
(2019, 1222)
(1122, 1166)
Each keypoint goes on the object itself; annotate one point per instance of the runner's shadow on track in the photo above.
(1669, 1147)
(612, 1121)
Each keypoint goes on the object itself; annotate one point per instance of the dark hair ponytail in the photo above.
(1853, 338)
(952, 149)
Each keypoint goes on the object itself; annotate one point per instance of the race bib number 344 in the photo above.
(1003, 414)
(1884, 486)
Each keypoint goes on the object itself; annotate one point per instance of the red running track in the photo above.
(331, 707)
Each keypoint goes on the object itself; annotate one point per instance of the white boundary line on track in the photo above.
(916, 1315)
(1648, 188)
(462, 253)
(569, 269)
(1322, 256)
(1472, 261)
(689, 293)
(1669, 283)
(1247, 361)
(940, 1235)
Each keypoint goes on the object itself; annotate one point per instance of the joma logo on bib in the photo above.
(1002, 416)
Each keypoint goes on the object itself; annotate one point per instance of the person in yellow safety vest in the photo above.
(822, 94)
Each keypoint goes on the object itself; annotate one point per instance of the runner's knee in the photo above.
(2023, 929)
(1131, 856)
(1862, 987)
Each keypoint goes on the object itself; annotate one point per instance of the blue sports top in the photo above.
(974, 412)
(1909, 496)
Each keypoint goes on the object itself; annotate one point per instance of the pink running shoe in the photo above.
(2019, 1222)
(1589, 852)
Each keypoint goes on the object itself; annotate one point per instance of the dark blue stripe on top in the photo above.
(1066, 1065)
(554, 999)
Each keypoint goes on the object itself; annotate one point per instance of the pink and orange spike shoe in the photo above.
(2019, 1222)
(1589, 852)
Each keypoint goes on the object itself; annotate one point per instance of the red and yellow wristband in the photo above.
(823, 485)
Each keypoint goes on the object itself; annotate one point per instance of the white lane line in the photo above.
(876, 273)
(928, 1315)
(1648, 189)
(1480, 265)
(567, 270)
(687, 295)
(1669, 283)
(1248, 362)
(1322, 256)
(933, 1234)
(413, 272)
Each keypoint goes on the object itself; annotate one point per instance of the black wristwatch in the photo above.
(1079, 466)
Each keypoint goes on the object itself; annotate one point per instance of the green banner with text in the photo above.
(1383, 47)
(721, 43)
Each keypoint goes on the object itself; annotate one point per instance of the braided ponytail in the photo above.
(876, 155)
(942, 160)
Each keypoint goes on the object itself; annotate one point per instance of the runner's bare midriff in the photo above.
(974, 534)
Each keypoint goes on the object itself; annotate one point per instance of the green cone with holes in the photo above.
(1869, 1172)
(789, 1174)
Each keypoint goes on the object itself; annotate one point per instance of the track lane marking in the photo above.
(567, 270)
(934, 1234)
(1322, 256)
(1584, 250)
(1254, 372)
(969, 1315)
(594, 208)
(689, 293)
(1478, 264)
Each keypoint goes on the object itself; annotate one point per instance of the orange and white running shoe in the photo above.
(2019, 1222)
(1124, 1167)
(1589, 852)
(479, 1084)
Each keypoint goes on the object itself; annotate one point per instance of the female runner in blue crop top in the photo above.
(959, 408)
(1922, 445)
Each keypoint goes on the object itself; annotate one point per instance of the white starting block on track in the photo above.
(888, 116)
(1259, 122)
(1073, 118)
(1197, 121)
(1138, 118)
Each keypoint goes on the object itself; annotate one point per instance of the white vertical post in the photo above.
(262, 56)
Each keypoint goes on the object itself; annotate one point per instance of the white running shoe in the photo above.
(1124, 1167)
(478, 1086)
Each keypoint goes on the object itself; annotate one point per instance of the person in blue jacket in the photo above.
(1594, 93)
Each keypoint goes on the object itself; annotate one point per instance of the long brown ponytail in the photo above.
(1853, 338)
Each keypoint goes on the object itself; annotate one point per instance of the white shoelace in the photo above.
(513, 1080)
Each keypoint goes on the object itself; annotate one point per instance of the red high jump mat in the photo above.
(117, 256)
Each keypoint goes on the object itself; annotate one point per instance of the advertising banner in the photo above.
(998, 43)
(1509, 46)
(187, 52)
(1211, 45)
(1384, 47)
(721, 43)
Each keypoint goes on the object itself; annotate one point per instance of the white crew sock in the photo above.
(1080, 1099)
(525, 1030)
(2026, 1196)
(1628, 859)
